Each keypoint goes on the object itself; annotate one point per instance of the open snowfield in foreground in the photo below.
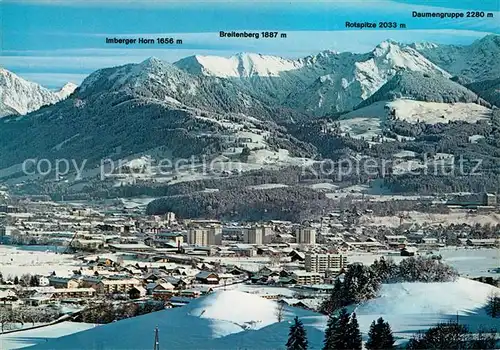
(17, 260)
(238, 320)
(41, 335)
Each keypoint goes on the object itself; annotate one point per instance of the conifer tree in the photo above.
(380, 336)
(353, 334)
(336, 331)
(331, 330)
(297, 337)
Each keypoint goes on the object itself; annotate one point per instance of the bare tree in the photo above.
(5, 318)
(279, 312)
(275, 259)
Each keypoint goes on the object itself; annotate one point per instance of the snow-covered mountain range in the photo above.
(19, 96)
(201, 104)
(242, 65)
(329, 82)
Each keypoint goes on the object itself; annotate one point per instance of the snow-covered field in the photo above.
(238, 320)
(456, 217)
(17, 260)
(41, 335)
(409, 307)
(472, 262)
(468, 262)
(368, 121)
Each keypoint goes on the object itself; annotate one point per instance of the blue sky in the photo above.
(55, 41)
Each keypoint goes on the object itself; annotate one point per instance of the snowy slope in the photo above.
(191, 327)
(218, 321)
(410, 307)
(240, 65)
(41, 335)
(368, 121)
(18, 96)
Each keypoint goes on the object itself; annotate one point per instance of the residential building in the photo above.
(214, 235)
(325, 262)
(267, 234)
(176, 238)
(306, 235)
(62, 282)
(197, 236)
(117, 286)
(305, 277)
(207, 277)
(396, 240)
(60, 293)
(486, 242)
(255, 235)
(489, 199)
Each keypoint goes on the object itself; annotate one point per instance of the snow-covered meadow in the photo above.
(18, 260)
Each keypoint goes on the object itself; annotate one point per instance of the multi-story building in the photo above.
(255, 235)
(205, 236)
(117, 286)
(214, 235)
(304, 277)
(490, 199)
(267, 234)
(306, 235)
(197, 236)
(325, 262)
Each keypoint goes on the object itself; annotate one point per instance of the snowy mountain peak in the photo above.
(241, 65)
(152, 62)
(67, 90)
(19, 96)
(387, 46)
(423, 45)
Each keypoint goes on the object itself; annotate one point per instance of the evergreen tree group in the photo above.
(360, 283)
(297, 337)
(453, 336)
(380, 336)
(342, 332)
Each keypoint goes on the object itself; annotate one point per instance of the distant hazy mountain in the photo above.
(18, 96)
(477, 61)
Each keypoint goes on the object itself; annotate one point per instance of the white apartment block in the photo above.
(306, 278)
(255, 235)
(205, 236)
(325, 262)
(306, 235)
